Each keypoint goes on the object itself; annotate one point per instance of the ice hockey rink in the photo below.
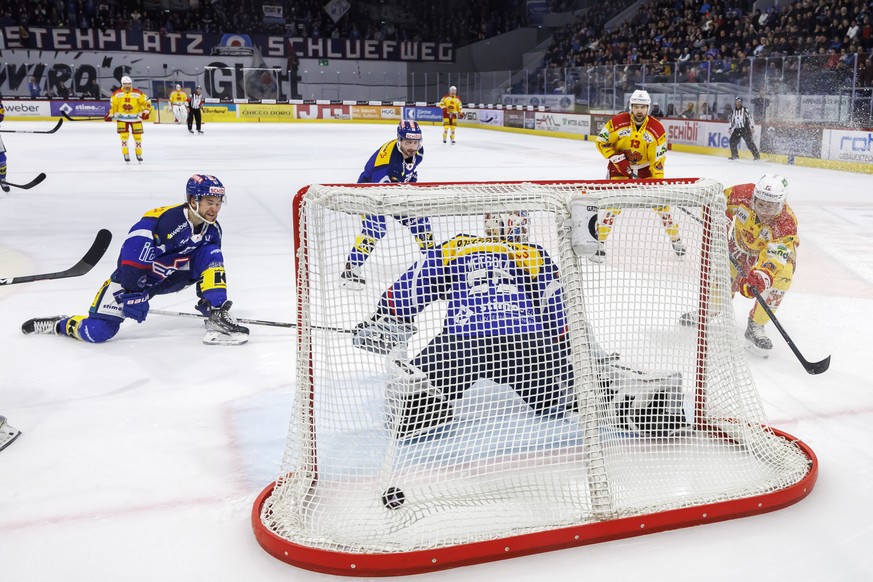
(140, 458)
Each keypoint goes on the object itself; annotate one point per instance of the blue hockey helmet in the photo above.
(408, 130)
(202, 185)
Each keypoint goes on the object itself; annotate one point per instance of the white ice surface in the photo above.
(140, 458)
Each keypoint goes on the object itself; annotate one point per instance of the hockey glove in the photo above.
(622, 165)
(381, 333)
(757, 279)
(108, 117)
(145, 115)
(134, 305)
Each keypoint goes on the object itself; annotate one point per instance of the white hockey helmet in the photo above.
(772, 188)
(509, 226)
(453, 89)
(640, 97)
(125, 80)
(178, 87)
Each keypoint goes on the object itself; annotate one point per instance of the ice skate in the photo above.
(351, 278)
(199, 131)
(42, 325)
(689, 319)
(139, 157)
(126, 157)
(414, 406)
(5, 187)
(7, 433)
(222, 328)
(757, 341)
(190, 130)
(678, 247)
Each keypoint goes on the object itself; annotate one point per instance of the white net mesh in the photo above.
(519, 436)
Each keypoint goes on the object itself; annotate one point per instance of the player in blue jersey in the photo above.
(505, 321)
(169, 249)
(3, 185)
(395, 162)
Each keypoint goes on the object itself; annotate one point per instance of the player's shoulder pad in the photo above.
(158, 212)
(655, 127)
(383, 156)
(740, 194)
(623, 119)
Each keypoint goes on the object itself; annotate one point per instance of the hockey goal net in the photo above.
(162, 111)
(529, 453)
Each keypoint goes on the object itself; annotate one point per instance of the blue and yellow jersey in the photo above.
(387, 165)
(493, 288)
(2, 112)
(159, 245)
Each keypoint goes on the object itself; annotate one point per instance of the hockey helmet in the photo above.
(739, 99)
(178, 87)
(453, 90)
(509, 226)
(408, 130)
(201, 185)
(770, 194)
(125, 80)
(640, 97)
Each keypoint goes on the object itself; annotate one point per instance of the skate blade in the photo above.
(756, 351)
(215, 338)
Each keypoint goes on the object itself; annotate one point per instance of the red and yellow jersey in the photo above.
(645, 146)
(129, 105)
(451, 105)
(771, 244)
(178, 98)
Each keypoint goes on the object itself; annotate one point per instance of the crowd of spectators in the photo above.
(694, 41)
(456, 21)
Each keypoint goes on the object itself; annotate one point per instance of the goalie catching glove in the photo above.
(758, 279)
(381, 333)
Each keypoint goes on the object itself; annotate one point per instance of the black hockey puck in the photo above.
(393, 498)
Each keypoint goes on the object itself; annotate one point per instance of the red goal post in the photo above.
(499, 479)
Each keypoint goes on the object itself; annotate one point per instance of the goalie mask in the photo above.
(509, 226)
(770, 194)
(202, 186)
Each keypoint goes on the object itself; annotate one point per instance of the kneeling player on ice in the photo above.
(505, 322)
(169, 249)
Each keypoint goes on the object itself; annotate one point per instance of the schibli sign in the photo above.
(683, 132)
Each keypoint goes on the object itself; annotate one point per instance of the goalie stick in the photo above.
(85, 264)
(27, 186)
(811, 367)
(52, 130)
(248, 321)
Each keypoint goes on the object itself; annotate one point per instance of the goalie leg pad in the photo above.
(413, 405)
(647, 404)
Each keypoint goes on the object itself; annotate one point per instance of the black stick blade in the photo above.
(818, 367)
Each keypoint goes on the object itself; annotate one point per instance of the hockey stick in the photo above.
(248, 321)
(27, 186)
(52, 130)
(91, 258)
(811, 367)
(65, 114)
